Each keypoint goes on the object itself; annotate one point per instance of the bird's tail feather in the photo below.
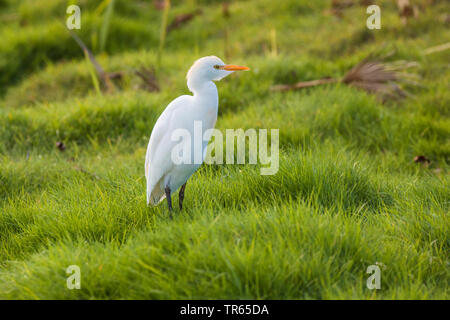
(155, 196)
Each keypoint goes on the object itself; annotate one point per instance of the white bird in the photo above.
(164, 175)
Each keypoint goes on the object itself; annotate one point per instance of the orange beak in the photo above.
(232, 67)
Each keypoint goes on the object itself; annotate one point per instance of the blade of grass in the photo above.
(93, 62)
(92, 73)
(105, 25)
(163, 30)
(273, 42)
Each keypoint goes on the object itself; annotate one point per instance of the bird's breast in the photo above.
(206, 114)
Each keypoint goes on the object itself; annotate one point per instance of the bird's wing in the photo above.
(158, 157)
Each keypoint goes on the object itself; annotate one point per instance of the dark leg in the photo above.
(181, 195)
(169, 200)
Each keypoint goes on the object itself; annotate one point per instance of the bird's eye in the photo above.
(217, 67)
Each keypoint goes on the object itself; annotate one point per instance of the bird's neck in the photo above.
(206, 91)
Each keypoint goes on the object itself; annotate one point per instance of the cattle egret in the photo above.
(164, 175)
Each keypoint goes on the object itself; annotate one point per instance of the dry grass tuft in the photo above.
(383, 79)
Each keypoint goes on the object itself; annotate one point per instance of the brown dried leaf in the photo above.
(338, 6)
(226, 9)
(406, 10)
(60, 145)
(422, 159)
(116, 75)
(380, 78)
(149, 80)
(341, 4)
(438, 48)
(93, 175)
(302, 84)
(182, 19)
(374, 77)
(159, 4)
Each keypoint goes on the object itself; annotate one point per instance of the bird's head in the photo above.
(210, 68)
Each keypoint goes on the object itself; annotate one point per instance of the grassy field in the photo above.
(348, 193)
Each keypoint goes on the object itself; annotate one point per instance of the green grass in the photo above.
(347, 194)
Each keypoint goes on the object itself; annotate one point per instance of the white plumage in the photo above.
(163, 175)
